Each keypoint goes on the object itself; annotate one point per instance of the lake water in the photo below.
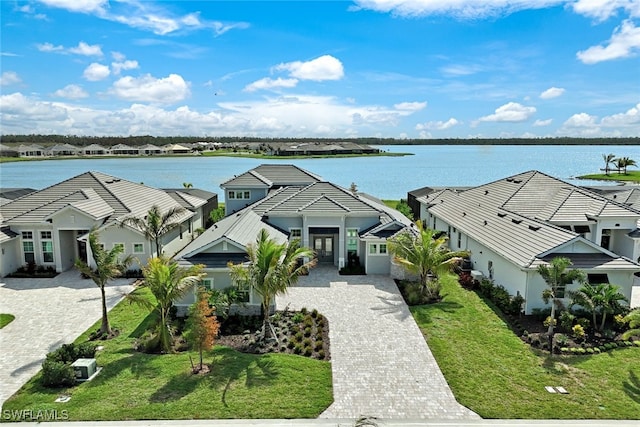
(383, 177)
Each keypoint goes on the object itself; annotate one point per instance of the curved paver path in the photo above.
(49, 313)
(382, 366)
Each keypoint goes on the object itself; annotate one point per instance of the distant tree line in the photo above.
(108, 141)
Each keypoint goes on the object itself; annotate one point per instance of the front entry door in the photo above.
(323, 245)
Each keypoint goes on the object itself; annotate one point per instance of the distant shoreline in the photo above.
(630, 176)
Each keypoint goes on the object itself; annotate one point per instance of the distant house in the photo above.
(6, 151)
(123, 149)
(94, 150)
(150, 150)
(176, 149)
(342, 227)
(513, 225)
(52, 225)
(30, 150)
(62, 150)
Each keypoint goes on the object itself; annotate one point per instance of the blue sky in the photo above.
(382, 68)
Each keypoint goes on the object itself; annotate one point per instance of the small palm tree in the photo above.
(155, 224)
(633, 319)
(601, 298)
(108, 267)
(587, 296)
(626, 162)
(167, 282)
(273, 267)
(425, 255)
(608, 160)
(556, 276)
(610, 301)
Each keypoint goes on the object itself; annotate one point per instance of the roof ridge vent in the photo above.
(516, 221)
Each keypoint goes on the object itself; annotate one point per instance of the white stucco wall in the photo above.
(10, 259)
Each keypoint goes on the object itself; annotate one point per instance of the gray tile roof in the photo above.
(6, 234)
(93, 192)
(272, 175)
(590, 261)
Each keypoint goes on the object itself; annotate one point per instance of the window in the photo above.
(459, 240)
(243, 293)
(28, 247)
(352, 241)
(378, 249)
(597, 279)
(490, 268)
(247, 195)
(239, 195)
(232, 195)
(47, 246)
(207, 284)
(138, 248)
(295, 233)
(119, 245)
(560, 290)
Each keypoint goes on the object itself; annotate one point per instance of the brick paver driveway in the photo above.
(382, 366)
(49, 313)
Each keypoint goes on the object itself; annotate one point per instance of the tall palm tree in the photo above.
(156, 224)
(108, 267)
(608, 160)
(167, 282)
(556, 276)
(273, 267)
(633, 318)
(425, 255)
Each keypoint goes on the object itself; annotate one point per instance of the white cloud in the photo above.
(48, 47)
(629, 118)
(128, 64)
(438, 125)
(83, 6)
(464, 9)
(71, 92)
(9, 78)
(268, 83)
(147, 88)
(584, 124)
(82, 49)
(461, 70)
(624, 42)
(410, 106)
(604, 9)
(552, 92)
(540, 123)
(95, 72)
(325, 67)
(86, 49)
(16, 107)
(510, 112)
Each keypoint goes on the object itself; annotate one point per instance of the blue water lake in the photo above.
(383, 177)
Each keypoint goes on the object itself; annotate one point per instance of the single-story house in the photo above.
(341, 226)
(123, 149)
(94, 150)
(176, 149)
(52, 224)
(30, 150)
(62, 150)
(513, 225)
(150, 150)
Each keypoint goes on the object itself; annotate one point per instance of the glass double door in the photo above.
(323, 247)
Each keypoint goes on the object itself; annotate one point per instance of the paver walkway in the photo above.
(49, 313)
(381, 364)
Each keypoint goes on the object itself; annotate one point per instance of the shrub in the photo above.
(590, 350)
(500, 297)
(290, 345)
(308, 351)
(596, 350)
(486, 286)
(515, 305)
(314, 313)
(562, 339)
(304, 311)
(297, 318)
(466, 281)
(578, 331)
(298, 337)
(541, 313)
(298, 349)
(549, 321)
(57, 374)
(318, 346)
(584, 322)
(69, 353)
(306, 342)
(566, 320)
(564, 349)
(321, 354)
(581, 350)
(307, 332)
(608, 334)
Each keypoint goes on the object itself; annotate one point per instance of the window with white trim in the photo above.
(352, 241)
(46, 243)
(28, 247)
(207, 283)
(239, 195)
(244, 292)
(138, 248)
(295, 233)
(378, 249)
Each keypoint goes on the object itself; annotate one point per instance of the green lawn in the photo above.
(492, 372)
(633, 176)
(5, 319)
(133, 385)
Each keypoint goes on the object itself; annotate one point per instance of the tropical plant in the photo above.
(187, 185)
(156, 224)
(610, 299)
(168, 282)
(202, 326)
(608, 160)
(271, 269)
(404, 209)
(108, 266)
(626, 162)
(216, 215)
(603, 298)
(633, 319)
(556, 276)
(222, 300)
(425, 255)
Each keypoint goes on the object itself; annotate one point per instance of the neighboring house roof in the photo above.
(94, 193)
(6, 234)
(62, 147)
(93, 147)
(269, 176)
(123, 147)
(185, 199)
(14, 193)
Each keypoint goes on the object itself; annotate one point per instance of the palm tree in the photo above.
(556, 276)
(587, 296)
(155, 224)
(633, 319)
(608, 160)
(272, 268)
(626, 162)
(620, 164)
(425, 255)
(610, 299)
(167, 282)
(108, 266)
(187, 185)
